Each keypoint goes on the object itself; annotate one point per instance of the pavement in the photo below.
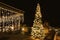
(14, 36)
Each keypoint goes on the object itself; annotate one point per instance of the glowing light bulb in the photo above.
(23, 29)
(12, 28)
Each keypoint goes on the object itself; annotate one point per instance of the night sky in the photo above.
(50, 10)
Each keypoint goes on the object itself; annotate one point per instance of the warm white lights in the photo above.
(10, 20)
(24, 29)
(38, 29)
(12, 28)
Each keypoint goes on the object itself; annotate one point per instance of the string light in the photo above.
(38, 29)
(8, 17)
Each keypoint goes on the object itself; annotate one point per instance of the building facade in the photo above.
(10, 18)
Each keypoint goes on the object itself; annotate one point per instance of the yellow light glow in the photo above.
(37, 39)
(24, 29)
(34, 38)
(12, 28)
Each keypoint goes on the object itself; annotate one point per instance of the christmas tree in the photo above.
(38, 29)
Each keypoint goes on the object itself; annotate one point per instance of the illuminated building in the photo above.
(10, 18)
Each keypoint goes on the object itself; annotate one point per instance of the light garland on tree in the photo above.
(38, 29)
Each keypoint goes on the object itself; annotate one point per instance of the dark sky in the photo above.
(49, 9)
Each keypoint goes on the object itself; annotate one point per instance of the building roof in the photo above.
(10, 8)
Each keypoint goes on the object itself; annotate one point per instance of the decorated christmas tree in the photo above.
(38, 29)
